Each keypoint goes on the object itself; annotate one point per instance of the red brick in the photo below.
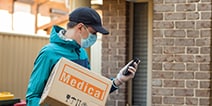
(157, 50)
(162, 75)
(192, 67)
(105, 45)
(157, 33)
(207, 1)
(192, 50)
(157, 83)
(205, 50)
(164, 92)
(203, 24)
(185, 7)
(184, 42)
(205, 84)
(175, 16)
(110, 103)
(191, 101)
(204, 7)
(156, 100)
(158, 16)
(158, 1)
(185, 24)
(163, 58)
(174, 83)
(205, 67)
(174, 33)
(121, 12)
(202, 93)
(174, 100)
(174, 1)
(117, 32)
(184, 75)
(121, 51)
(174, 50)
(193, 15)
(206, 15)
(117, 45)
(157, 66)
(193, 33)
(202, 58)
(121, 63)
(163, 42)
(205, 101)
(174, 66)
(117, 57)
(121, 103)
(114, 6)
(191, 84)
(161, 105)
(109, 13)
(184, 58)
(203, 75)
(164, 8)
(193, 1)
(184, 92)
(203, 42)
(121, 39)
(163, 25)
(109, 51)
(113, 26)
(205, 33)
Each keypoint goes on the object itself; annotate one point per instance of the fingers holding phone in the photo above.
(131, 68)
(127, 72)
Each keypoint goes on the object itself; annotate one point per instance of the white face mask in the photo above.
(90, 40)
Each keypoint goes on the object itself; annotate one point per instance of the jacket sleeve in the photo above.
(113, 87)
(41, 71)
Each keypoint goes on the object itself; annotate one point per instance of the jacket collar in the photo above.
(57, 36)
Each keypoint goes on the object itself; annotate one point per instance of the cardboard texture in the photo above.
(73, 85)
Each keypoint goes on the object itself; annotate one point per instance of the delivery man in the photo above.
(81, 31)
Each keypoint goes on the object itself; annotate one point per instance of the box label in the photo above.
(70, 79)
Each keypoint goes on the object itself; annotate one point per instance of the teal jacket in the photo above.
(47, 58)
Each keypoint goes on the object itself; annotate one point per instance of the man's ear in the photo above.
(80, 25)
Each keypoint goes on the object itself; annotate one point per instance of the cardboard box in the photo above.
(73, 85)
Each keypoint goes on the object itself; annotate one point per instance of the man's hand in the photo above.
(121, 78)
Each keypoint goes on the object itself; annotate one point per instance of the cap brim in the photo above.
(100, 29)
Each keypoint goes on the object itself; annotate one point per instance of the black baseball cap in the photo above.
(88, 16)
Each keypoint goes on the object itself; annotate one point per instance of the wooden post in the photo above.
(79, 3)
(34, 10)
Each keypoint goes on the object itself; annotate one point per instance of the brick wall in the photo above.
(181, 69)
(114, 46)
(181, 72)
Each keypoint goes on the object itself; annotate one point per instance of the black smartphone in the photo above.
(126, 72)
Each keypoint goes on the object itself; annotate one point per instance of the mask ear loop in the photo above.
(83, 26)
(86, 28)
(81, 38)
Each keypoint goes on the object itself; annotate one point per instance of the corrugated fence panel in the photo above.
(17, 55)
